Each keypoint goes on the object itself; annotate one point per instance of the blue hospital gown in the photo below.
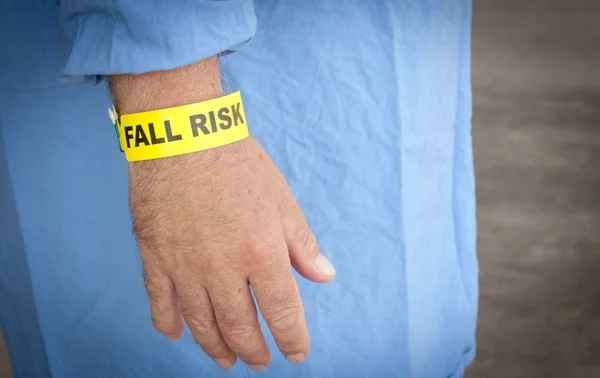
(365, 106)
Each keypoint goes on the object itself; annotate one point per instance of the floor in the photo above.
(536, 80)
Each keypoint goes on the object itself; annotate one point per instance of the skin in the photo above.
(212, 224)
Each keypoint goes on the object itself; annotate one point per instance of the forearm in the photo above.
(163, 89)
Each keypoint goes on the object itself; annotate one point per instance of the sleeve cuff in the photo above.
(100, 37)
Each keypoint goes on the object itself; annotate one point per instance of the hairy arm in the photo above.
(163, 89)
(211, 223)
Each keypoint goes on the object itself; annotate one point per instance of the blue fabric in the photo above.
(100, 37)
(364, 106)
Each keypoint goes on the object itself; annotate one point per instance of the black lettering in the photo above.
(153, 137)
(198, 121)
(224, 116)
(169, 133)
(140, 136)
(235, 112)
(213, 121)
(128, 135)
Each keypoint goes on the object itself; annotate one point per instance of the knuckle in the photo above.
(309, 243)
(212, 263)
(161, 306)
(262, 252)
(155, 287)
(239, 334)
(284, 318)
(305, 239)
(201, 325)
(256, 243)
(262, 258)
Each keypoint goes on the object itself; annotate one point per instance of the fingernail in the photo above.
(172, 337)
(257, 367)
(223, 363)
(296, 358)
(325, 266)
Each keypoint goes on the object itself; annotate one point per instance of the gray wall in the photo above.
(536, 78)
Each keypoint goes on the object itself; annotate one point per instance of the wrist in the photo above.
(197, 82)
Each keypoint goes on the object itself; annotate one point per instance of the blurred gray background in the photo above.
(536, 81)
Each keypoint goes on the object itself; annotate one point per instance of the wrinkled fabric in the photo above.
(100, 37)
(364, 106)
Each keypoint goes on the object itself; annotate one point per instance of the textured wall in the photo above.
(537, 148)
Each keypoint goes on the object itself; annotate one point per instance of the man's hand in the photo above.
(208, 225)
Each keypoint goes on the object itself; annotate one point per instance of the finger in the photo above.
(238, 321)
(302, 245)
(279, 302)
(164, 305)
(198, 314)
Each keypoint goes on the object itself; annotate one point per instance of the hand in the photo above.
(208, 225)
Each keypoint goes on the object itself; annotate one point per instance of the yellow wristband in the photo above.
(182, 129)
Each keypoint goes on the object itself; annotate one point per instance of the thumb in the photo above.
(302, 245)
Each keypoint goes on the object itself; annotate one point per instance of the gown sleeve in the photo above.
(105, 37)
